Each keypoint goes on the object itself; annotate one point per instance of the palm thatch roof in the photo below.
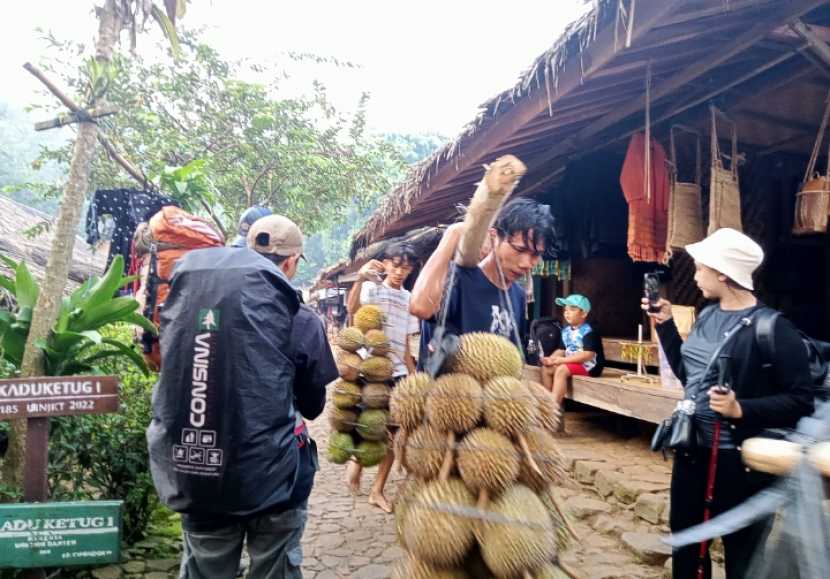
(756, 58)
(15, 219)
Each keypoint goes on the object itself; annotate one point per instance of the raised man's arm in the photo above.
(429, 287)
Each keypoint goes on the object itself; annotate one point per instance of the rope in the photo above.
(819, 139)
(647, 169)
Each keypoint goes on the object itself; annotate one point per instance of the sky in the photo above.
(427, 64)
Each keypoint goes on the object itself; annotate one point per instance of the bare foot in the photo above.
(377, 499)
(353, 471)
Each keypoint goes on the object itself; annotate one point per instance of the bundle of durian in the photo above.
(478, 444)
(360, 398)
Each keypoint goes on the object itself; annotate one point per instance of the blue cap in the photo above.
(575, 300)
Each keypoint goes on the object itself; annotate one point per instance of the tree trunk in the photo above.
(45, 312)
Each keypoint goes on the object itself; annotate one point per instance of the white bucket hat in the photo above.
(731, 253)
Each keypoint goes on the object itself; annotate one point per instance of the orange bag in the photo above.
(174, 232)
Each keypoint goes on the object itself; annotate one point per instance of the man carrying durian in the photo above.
(484, 298)
(393, 300)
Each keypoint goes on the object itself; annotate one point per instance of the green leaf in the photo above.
(94, 336)
(115, 310)
(63, 341)
(139, 320)
(8, 261)
(12, 341)
(168, 29)
(104, 288)
(120, 350)
(27, 288)
(7, 284)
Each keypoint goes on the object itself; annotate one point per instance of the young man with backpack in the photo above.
(224, 445)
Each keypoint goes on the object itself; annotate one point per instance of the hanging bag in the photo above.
(685, 207)
(724, 194)
(813, 201)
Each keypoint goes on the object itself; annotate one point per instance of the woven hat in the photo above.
(731, 253)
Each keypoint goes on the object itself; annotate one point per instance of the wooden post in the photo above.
(35, 484)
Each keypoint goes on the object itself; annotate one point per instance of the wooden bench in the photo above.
(649, 402)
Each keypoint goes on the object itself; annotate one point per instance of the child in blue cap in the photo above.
(582, 354)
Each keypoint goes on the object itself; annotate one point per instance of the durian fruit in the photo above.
(377, 368)
(436, 529)
(376, 343)
(341, 446)
(487, 461)
(520, 536)
(454, 403)
(509, 408)
(549, 411)
(425, 448)
(345, 394)
(350, 339)
(551, 571)
(343, 419)
(370, 453)
(376, 395)
(369, 317)
(407, 491)
(371, 425)
(409, 399)
(411, 568)
(348, 365)
(485, 356)
(545, 455)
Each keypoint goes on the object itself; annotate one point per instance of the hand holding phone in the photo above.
(651, 286)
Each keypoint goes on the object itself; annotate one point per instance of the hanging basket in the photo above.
(685, 208)
(685, 215)
(725, 200)
(811, 207)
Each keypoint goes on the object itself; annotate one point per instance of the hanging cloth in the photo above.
(685, 208)
(813, 201)
(724, 193)
(647, 218)
(128, 208)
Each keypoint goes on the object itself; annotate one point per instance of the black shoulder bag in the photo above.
(678, 432)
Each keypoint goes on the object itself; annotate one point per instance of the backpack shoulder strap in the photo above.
(765, 334)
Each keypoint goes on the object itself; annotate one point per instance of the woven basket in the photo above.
(685, 215)
(725, 200)
(811, 207)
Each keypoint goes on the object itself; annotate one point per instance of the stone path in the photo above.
(348, 539)
(617, 495)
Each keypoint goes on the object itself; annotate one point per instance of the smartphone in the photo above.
(652, 291)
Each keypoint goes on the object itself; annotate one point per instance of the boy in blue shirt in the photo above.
(582, 354)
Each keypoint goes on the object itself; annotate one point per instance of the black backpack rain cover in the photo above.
(221, 438)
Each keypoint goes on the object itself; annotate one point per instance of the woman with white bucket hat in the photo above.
(736, 394)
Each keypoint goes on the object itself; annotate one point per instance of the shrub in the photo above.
(104, 456)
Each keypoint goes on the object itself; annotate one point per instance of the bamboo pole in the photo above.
(63, 120)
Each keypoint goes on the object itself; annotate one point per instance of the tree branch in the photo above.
(265, 170)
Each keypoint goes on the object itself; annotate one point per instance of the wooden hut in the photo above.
(765, 67)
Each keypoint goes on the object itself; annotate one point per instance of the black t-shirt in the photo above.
(314, 368)
(478, 305)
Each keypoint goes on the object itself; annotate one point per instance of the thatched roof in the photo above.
(15, 219)
(588, 91)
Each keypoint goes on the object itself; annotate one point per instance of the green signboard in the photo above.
(60, 534)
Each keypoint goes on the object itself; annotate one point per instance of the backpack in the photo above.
(817, 352)
(172, 232)
(222, 437)
(545, 338)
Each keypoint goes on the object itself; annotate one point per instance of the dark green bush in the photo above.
(104, 456)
